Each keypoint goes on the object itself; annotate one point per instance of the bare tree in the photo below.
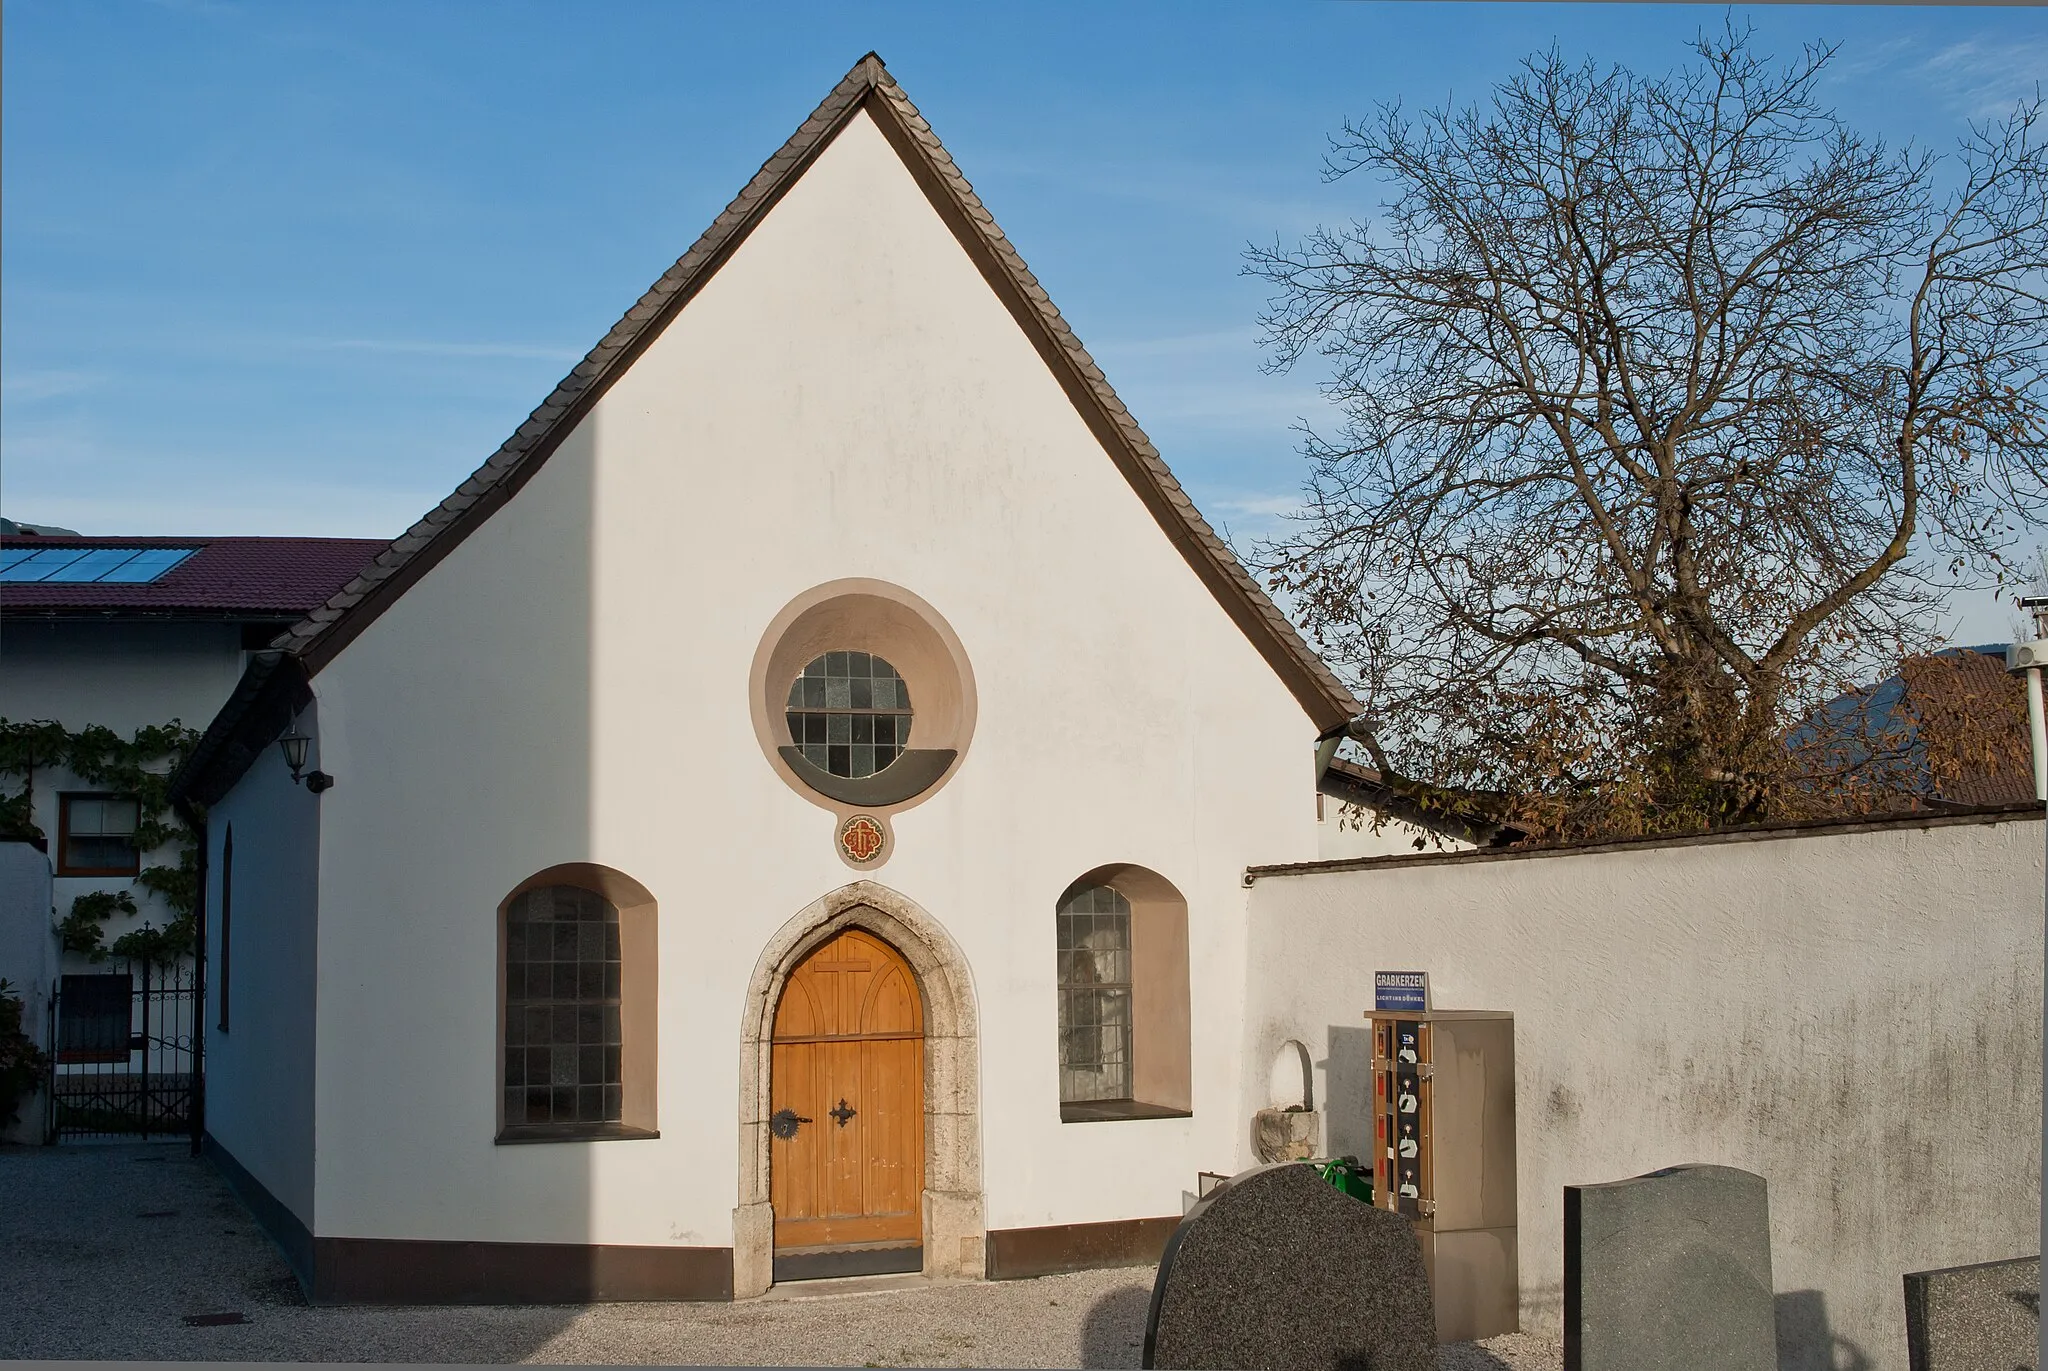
(1668, 406)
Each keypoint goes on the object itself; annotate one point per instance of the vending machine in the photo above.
(1444, 1156)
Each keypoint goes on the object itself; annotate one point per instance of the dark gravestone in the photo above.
(1975, 1318)
(1277, 1268)
(1669, 1272)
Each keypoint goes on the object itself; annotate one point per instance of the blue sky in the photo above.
(299, 268)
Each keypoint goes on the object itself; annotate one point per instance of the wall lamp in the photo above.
(293, 745)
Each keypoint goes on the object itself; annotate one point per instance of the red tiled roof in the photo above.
(226, 577)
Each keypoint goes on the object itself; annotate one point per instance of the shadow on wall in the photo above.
(1807, 1343)
(1113, 1330)
(1347, 1093)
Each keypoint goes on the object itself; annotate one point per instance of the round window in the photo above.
(849, 714)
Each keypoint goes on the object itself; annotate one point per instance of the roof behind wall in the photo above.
(223, 578)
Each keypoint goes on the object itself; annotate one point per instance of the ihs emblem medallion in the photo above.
(862, 840)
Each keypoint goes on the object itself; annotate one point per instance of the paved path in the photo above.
(105, 1252)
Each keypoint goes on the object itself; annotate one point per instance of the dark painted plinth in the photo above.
(1277, 1268)
(1669, 1272)
(854, 1259)
(1967, 1317)
(403, 1271)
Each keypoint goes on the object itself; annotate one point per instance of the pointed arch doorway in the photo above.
(846, 1113)
(950, 1127)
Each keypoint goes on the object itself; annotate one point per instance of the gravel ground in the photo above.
(106, 1252)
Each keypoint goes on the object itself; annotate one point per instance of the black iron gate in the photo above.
(124, 1061)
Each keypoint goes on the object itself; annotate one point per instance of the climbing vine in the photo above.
(140, 766)
(21, 1061)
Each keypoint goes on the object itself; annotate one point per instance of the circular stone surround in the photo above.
(864, 615)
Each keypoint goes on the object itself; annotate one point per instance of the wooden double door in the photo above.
(846, 1113)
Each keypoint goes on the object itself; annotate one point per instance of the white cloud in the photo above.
(438, 348)
(1266, 406)
(1979, 78)
(25, 387)
(1271, 506)
(295, 510)
(1985, 79)
(1217, 342)
(1245, 517)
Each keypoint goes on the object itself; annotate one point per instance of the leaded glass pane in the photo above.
(849, 713)
(1094, 947)
(562, 977)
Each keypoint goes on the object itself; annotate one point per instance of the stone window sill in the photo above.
(1110, 1111)
(574, 1132)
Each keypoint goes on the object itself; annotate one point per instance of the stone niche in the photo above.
(1289, 1128)
(1286, 1135)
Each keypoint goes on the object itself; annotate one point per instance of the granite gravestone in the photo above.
(1967, 1318)
(1278, 1268)
(1669, 1272)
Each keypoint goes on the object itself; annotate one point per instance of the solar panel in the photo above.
(83, 565)
(147, 565)
(41, 563)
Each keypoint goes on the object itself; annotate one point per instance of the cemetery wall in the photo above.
(1853, 1012)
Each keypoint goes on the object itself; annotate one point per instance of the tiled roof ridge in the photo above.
(325, 631)
(175, 539)
(1325, 698)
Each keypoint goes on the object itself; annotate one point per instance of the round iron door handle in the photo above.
(783, 1123)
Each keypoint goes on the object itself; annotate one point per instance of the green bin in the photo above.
(1348, 1176)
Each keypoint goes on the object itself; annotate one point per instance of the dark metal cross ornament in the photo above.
(842, 1113)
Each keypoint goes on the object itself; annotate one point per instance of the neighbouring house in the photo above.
(784, 815)
(1947, 731)
(107, 646)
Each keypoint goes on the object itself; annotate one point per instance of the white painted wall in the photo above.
(259, 1072)
(28, 962)
(845, 398)
(1856, 1018)
(123, 676)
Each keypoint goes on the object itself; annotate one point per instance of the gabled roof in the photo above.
(331, 626)
(224, 578)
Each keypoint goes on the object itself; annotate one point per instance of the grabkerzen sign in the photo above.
(1401, 990)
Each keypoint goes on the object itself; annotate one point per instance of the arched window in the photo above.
(1123, 997)
(577, 981)
(1095, 995)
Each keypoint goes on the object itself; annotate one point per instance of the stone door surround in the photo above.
(952, 1201)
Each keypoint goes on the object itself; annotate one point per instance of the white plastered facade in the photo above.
(846, 397)
(119, 675)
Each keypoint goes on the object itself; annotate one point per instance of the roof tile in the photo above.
(256, 577)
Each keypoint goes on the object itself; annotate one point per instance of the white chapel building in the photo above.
(785, 815)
